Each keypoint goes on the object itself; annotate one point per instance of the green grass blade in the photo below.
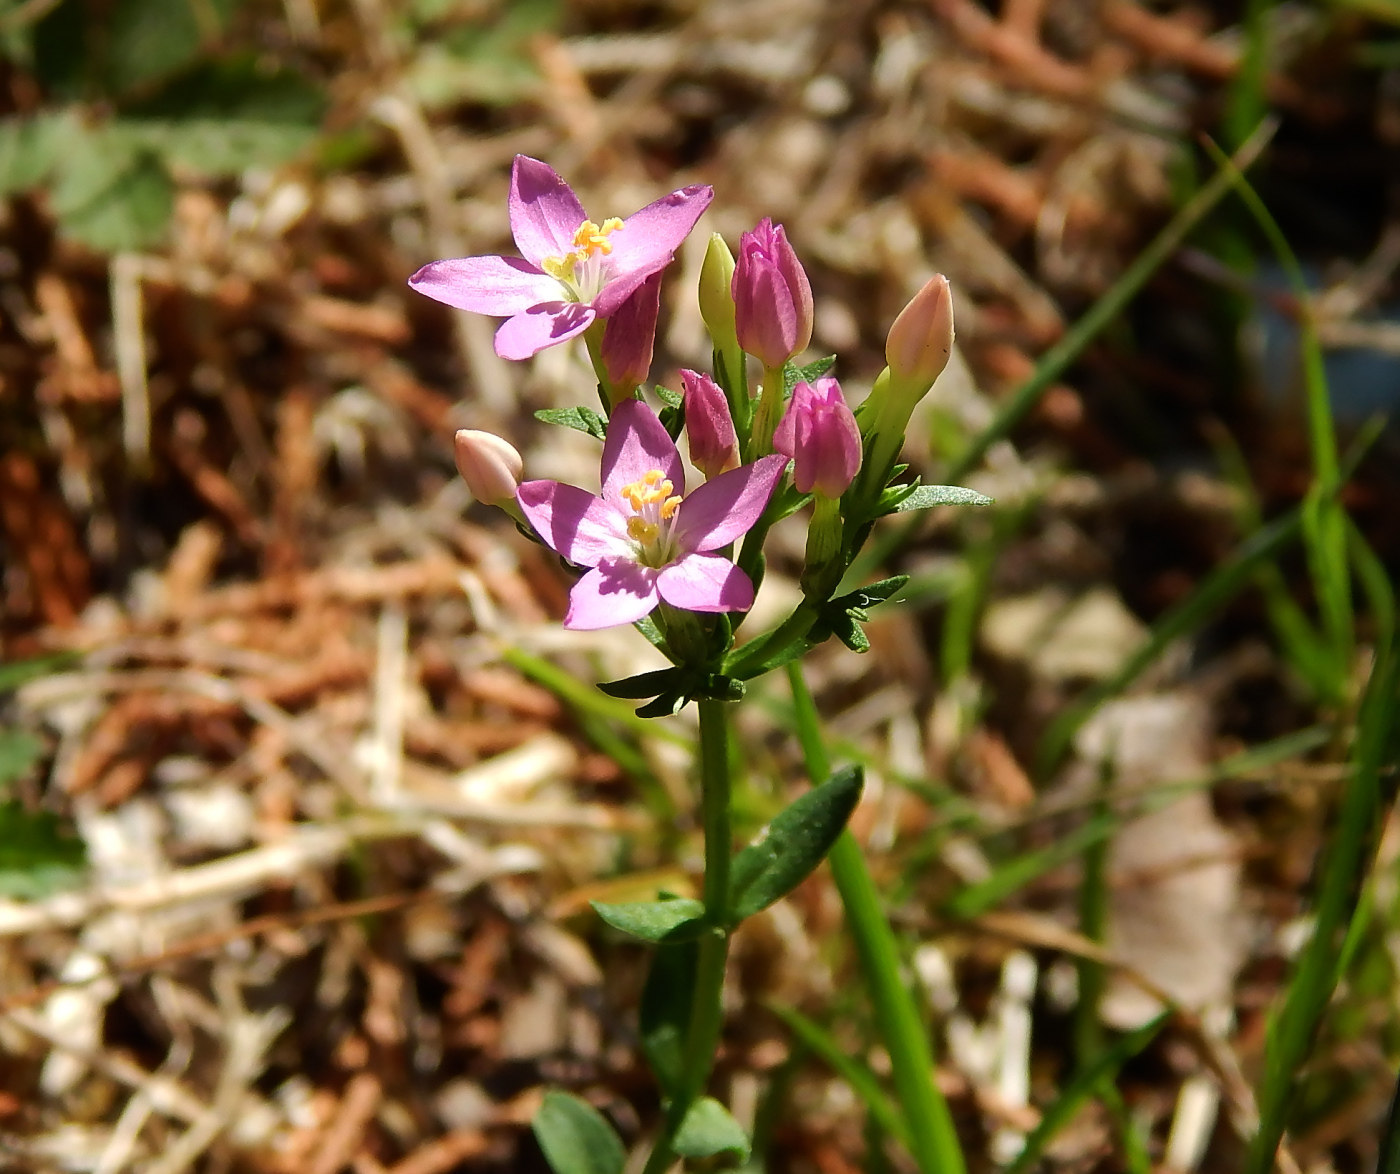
(932, 1137)
(1081, 1088)
(1316, 974)
(860, 1078)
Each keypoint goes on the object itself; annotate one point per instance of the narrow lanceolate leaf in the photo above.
(798, 840)
(665, 1010)
(928, 496)
(579, 419)
(36, 856)
(677, 920)
(18, 752)
(708, 1129)
(576, 1138)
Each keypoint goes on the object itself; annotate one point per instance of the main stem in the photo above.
(932, 1137)
(707, 1011)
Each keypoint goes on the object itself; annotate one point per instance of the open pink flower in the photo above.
(572, 271)
(643, 538)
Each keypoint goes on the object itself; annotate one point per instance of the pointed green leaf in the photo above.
(926, 496)
(576, 1138)
(643, 685)
(30, 148)
(672, 399)
(665, 1010)
(798, 840)
(677, 920)
(579, 419)
(810, 373)
(113, 196)
(708, 1129)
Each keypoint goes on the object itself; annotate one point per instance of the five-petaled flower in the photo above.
(573, 271)
(643, 538)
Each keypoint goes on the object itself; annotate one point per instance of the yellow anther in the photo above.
(592, 238)
(669, 506)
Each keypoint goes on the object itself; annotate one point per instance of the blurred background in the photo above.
(305, 790)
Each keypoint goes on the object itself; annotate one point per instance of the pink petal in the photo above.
(705, 582)
(648, 240)
(583, 528)
(485, 285)
(544, 325)
(617, 591)
(638, 443)
(728, 505)
(544, 212)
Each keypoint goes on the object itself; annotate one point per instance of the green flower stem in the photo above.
(765, 419)
(707, 1011)
(748, 660)
(933, 1140)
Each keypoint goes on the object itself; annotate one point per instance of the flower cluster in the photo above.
(642, 543)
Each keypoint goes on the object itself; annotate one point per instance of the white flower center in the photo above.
(580, 271)
(653, 514)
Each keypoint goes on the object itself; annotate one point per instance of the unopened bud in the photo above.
(921, 340)
(717, 294)
(714, 447)
(820, 434)
(630, 337)
(772, 296)
(491, 466)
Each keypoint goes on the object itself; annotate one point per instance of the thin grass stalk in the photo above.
(1292, 1031)
(933, 1141)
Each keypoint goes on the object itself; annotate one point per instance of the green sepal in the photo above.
(667, 705)
(709, 1129)
(679, 919)
(798, 839)
(576, 1138)
(580, 419)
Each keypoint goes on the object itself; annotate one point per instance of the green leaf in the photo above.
(112, 196)
(846, 628)
(579, 419)
(708, 1129)
(642, 685)
(36, 856)
(672, 399)
(492, 66)
(679, 919)
(793, 374)
(30, 148)
(575, 1137)
(668, 704)
(927, 496)
(216, 147)
(798, 839)
(18, 752)
(664, 1015)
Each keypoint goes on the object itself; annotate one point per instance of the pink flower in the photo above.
(573, 271)
(630, 337)
(714, 448)
(772, 296)
(643, 538)
(820, 434)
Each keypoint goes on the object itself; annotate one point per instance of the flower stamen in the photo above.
(654, 505)
(579, 270)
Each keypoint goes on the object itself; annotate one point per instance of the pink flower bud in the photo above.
(714, 447)
(820, 434)
(630, 336)
(921, 339)
(491, 466)
(772, 297)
